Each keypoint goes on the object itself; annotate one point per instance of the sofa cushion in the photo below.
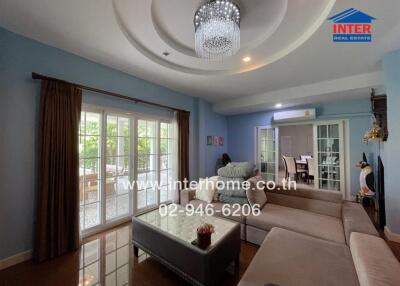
(205, 190)
(374, 261)
(288, 258)
(320, 226)
(355, 219)
(309, 192)
(218, 210)
(256, 194)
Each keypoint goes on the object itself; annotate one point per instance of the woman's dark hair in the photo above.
(226, 159)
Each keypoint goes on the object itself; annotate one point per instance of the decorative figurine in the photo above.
(367, 181)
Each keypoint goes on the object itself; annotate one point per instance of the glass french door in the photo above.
(329, 151)
(118, 167)
(267, 150)
(147, 163)
(126, 164)
(90, 177)
(105, 168)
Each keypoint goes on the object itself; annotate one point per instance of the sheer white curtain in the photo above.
(174, 187)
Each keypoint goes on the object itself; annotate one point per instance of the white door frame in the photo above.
(345, 147)
(256, 146)
(342, 153)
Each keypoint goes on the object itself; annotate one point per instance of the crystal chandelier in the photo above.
(217, 29)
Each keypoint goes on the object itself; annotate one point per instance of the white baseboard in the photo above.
(15, 259)
(391, 235)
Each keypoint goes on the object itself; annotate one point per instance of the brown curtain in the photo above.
(57, 222)
(183, 145)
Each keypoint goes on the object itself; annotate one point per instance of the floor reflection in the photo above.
(107, 259)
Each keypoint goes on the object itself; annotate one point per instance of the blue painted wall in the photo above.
(210, 124)
(19, 98)
(390, 149)
(241, 131)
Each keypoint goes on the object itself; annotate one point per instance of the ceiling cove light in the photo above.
(217, 29)
(278, 105)
(246, 59)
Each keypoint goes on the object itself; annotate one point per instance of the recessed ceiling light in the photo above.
(246, 59)
(278, 105)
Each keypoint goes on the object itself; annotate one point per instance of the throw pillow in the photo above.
(204, 191)
(214, 179)
(256, 193)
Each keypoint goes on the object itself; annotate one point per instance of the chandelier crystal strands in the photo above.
(217, 30)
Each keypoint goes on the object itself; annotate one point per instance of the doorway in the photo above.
(317, 149)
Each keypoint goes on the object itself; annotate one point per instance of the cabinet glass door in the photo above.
(266, 153)
(329, 154)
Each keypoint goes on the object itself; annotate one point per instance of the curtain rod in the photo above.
(105, 92)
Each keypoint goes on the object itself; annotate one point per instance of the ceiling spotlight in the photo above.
(246, 59)
(278, 105)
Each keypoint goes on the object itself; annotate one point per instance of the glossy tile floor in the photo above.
(107, 259)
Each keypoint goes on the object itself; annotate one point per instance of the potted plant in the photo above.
(204, 232)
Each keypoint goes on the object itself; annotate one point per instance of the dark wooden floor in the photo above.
(107, 259)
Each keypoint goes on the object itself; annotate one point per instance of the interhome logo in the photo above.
(352, 26)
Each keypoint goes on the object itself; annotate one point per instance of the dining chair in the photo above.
(310, 169)
(291, 168)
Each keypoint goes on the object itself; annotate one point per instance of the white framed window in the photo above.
(127, 164)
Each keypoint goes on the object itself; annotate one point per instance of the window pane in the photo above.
(92, 146)
(123, 126)
(143, 146)
(151, 197)
(141, 181)
(92, 169)
(122, 166)
(151, 146)
(111, 146)
(111, 167)
(151, 129)
(164, 162)
(92, 124)
(141, 197)
(333, 131)
(143, 163)
(111, 207)
(122, 185)
(122, 205)
(164, 130)
(92, 193)
(111, 125)
(163, 193)
(164, 178)
(111, 186)
(92, 215)
(164, 146)
(141, 128)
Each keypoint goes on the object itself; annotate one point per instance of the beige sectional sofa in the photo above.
(288, 258)
(313, 237)
(317, 213)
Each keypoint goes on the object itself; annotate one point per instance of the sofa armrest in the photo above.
(356, 219)
(374, 261)
(187, 195)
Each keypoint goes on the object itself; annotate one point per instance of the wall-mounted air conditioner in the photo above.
(294, 115)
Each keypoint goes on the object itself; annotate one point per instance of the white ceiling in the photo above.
(289, 42)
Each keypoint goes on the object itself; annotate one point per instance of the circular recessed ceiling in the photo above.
(269, 31)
